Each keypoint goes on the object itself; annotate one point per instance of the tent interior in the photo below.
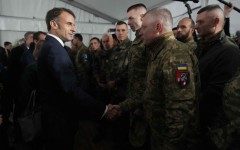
(93, 17)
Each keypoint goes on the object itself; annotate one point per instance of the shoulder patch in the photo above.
(182, 75)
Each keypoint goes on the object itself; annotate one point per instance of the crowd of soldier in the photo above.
(163, 91)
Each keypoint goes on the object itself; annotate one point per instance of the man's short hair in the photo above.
(95, 38)
(78, 36)
(136, 6)
(209, 8)
(163, 15)
(54, 13)
(26, 35)
(36, 35)
(121, 23)
(7, 43)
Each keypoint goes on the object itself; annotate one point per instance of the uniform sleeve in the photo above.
(179, 92)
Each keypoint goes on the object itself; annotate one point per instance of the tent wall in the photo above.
(19, 16)
(180, 12)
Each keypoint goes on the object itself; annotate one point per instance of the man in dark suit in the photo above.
(63, 101)
(19, 58)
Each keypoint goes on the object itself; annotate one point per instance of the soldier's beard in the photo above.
(181, 38)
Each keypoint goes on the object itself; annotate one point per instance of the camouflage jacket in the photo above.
(118, 70)
(192, 45)
(227, 137)
(101, 65)
(83, 63)
(137, 66)
(169, 101)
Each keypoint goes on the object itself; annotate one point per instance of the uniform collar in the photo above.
(160, 43)
(138, 39)
(205, 44)
(220, 35)
(125, 44)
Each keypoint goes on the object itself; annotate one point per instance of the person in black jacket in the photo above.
(219, 59)
(64, 103)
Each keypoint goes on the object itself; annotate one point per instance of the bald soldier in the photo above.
(185, 30)
(219, 59)
(169, 100)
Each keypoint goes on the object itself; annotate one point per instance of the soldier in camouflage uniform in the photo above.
(138, 59)
(185, 30)
(227, 137)
(101, 65)
(83, 63)
(82, 60)
(117, 75)
(170, 99)
(117, 78)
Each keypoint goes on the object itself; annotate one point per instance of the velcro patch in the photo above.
(182, 75)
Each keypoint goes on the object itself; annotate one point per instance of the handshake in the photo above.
(113, 112)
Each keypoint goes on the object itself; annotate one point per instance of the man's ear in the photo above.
(216, 21)
(192, 30)
(159, 27)
(53, 24)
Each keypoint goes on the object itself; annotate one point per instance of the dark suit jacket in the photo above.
(3, 56)
(3, 65)
(63, 101)
(19, 58)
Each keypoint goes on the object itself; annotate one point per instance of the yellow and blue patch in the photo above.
(182, 67)
(182, 75)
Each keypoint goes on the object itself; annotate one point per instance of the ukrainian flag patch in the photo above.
(182, 67)
(182, 76)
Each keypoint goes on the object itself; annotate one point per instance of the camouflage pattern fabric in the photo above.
(118, 71)
(83, 63)
(138, 59)
(101, 65)
(170, 102)
(228, 136)
(192, 45)
(137, 66)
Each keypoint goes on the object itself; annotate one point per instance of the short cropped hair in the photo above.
(121, 23)
(136, 6)
(78, 36)
(95, 38)
(37, 34)
(209, 8)
(7, 43)
(26, 35)
(163, 15)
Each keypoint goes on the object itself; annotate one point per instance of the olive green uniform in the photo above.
(137, 66)
(170, 99)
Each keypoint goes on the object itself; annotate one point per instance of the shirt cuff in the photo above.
(105, 111)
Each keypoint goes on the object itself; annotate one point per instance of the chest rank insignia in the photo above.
(182, 75)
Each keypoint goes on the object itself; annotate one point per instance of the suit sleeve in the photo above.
(63, 71)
